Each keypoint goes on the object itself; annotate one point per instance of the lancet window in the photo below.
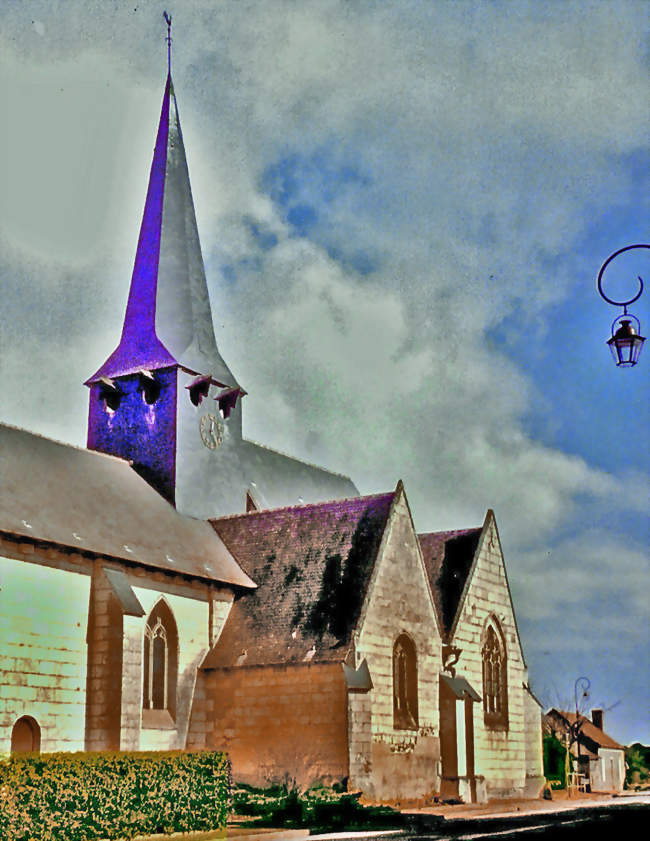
(495, 677)
(160, 661)
(405, 684)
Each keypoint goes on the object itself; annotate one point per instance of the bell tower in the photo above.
(165, 399)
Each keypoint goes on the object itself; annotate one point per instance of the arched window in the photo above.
(160, 660)
(405, 684)
(26, 736)
(495, 677)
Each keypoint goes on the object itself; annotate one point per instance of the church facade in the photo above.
(176, 586)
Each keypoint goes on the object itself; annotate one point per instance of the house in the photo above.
(599, 758)
(174, 585)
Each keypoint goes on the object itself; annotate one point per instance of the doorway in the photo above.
(26, 736)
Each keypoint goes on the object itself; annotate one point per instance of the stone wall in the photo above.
(138, 432)
(388, 763)
(192, 611)
(534, 753)
(275, 722)
(71, 659)
(43, 620)
(500, 755)
(104, 637)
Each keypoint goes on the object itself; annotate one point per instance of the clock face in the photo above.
(211, 430)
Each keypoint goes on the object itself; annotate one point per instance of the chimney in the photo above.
(597, 718)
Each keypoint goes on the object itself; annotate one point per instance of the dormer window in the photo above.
(110, 394)
(199, 388)
(150, 387)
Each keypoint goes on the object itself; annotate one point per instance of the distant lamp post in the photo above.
(576, 726)
(626, 341)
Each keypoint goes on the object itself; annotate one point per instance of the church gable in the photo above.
(394, 740)
(491, 660)
(486, 591)
(311, 564)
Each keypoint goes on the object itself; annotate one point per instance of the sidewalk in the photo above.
(510, 808)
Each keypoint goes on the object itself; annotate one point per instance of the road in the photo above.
(620, 818)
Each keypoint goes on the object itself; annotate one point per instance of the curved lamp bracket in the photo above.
(623, 304)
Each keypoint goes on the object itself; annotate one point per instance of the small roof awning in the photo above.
(358, 680)
(122, 589)
(227, 399)
(461, 687)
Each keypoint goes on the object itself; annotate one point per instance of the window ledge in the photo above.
(498, 724)
(405, 723)
(157, 720)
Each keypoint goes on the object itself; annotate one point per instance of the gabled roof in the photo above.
(448, 557)
(589, 730)
(312, 564)
(87, 501)
(168, 318)
(277, 480)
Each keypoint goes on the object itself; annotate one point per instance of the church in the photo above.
(176, 586)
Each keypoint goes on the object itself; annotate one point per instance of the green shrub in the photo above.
(84, 796)
(554, 761)
(637, 758)
(320, 809)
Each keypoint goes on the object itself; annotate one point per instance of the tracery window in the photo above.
(495, 678)
(405, 684)
(160, 660)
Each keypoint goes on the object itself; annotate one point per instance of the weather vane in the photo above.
(168, 21)
(626, 341)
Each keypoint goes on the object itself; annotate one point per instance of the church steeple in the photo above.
(166, 373)
(168, 318)
(164, 399)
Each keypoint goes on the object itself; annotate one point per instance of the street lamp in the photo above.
(626, 341)
(574, 728)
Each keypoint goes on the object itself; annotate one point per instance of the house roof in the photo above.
(589, 730)
(312, 564)
(92, 502)
(448, 557)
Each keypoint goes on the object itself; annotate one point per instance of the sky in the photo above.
(403, 208)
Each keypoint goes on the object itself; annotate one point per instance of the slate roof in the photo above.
(312, 564)
(280, 478)
(88, 501)
(590, 731)
(448, 557)
(168, 318)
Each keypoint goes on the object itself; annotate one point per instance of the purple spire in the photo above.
(168, 317)
(139, 346)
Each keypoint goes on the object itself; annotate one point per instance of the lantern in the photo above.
(626, 341)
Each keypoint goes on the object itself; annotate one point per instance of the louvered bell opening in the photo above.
(626, 345)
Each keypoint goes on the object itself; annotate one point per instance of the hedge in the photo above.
(83, 796)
